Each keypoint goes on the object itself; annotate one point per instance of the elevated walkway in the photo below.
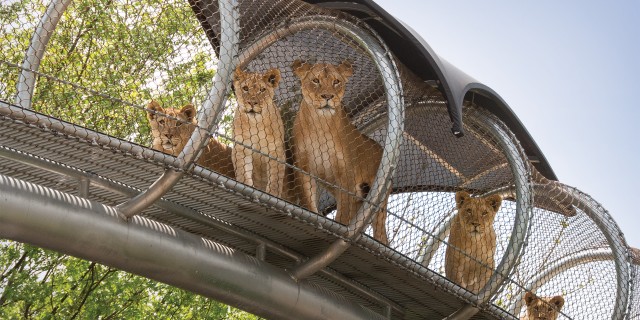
(98, 192)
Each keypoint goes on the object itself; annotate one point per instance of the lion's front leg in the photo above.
(347, 206)
(379, 224)
(243, 165)
(276, 171)
(309, 189)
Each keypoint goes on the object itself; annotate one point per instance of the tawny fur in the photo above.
(327, 145)
(469, 258)
(171, 129)
(542, 308)
(257, 125)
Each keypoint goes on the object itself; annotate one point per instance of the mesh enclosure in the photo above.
(313, 132)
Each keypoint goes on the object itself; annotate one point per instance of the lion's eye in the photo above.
(245, 88)
(484, 213)
(336, 82)
(316, 81)
(161, 121)
(178, 123)
(263, 89)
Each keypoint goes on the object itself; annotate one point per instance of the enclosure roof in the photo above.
(411, 49)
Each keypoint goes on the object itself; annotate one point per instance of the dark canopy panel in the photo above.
(415, 53)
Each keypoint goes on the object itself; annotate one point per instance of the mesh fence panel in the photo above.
(307, 121)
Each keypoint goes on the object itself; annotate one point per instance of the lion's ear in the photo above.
(239, 74)
(189, 112)
(495, 201)
(557, 301)
(345, 69)
(155, 107)
(461, 197)
(529, 298)
(272, 77)
(300, 68)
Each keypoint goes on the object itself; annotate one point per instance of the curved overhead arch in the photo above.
(414, 52)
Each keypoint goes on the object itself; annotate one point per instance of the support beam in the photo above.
(208, 115)
(263, 244)
(62, 222)
(35, 52)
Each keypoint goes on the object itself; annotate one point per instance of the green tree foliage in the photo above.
(105, 61)
(108, 58)
(41, 284)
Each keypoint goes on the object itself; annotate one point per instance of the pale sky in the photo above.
(568, 69)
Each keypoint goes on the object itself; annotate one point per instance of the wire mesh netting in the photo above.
(311, 121)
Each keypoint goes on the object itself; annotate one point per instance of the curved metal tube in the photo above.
(524, 203)
(433, 243)
(207, 115)
(558, 267)
(391, 81)
(618, 246)
(181, 211)
(35, 52)
(44, 217)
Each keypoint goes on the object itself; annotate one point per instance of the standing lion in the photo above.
(472, 241)
(258, 130)
(328, 146)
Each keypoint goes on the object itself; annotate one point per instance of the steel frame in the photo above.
(33, 214)
(86, 180)
(208, 114)
(93, 221)
(37, 48)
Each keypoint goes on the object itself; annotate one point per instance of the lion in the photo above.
(258, 126)
(328, 146)
(472, 241)
(541, 308)
(171, 129)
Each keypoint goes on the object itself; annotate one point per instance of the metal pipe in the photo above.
(261, 251)
(617, 243)
(524, 203)
(46, 123)
(207, 115)
(466, 312)
(83, 187)
(558, 267)
(433, 243)
(62, 222)
(192, 215)
(390, 79)
(35, 52)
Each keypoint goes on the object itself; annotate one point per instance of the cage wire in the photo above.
(309, 111)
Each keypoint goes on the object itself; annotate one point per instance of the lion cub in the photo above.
(328, 146)
(257, 125)
(472, 241)
(542, 308)
(171, 129)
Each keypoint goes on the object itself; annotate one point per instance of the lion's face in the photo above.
(543, 308)
(477, 214)
(171, 128)
(255, 90)
(323, 84)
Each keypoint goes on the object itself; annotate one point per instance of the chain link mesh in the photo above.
(139, 73)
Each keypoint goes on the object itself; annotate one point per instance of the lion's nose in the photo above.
(326, 96)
